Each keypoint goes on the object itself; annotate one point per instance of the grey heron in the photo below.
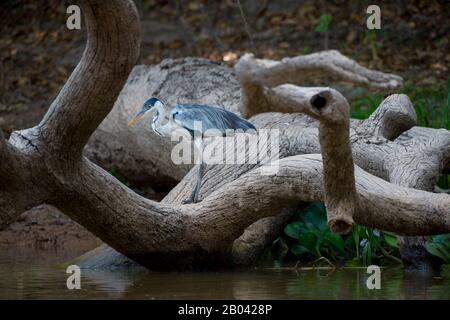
(187, 116)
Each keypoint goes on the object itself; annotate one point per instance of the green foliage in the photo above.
(432, 105)
(439, 246)
(309, 238)
(324, 23)
(443, 184)
(313, 236)
(372, 246)
(365, 106)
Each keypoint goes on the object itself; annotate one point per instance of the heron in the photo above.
(188, 116)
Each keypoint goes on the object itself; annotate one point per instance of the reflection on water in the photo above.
(36, 275)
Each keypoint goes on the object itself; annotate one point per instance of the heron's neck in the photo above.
(163, 124)
(162, 112)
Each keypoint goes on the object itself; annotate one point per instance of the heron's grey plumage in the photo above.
(186, 116)
(210, 117)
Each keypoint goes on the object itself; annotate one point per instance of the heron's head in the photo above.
(146, 109)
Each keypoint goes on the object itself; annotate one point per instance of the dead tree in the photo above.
(240, 208)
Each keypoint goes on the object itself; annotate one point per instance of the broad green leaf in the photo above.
(336, 240)
(293, 229)
(309, 241)
(442, 238)
(390, 240)
(298, 250)
(439, 250)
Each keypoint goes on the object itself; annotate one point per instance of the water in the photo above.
(33, 274)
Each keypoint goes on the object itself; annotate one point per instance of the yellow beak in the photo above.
(136, 119)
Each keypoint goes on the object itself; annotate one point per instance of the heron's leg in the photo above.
(195, 193)
(201, 170)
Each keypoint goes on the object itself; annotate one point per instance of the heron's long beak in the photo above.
(138, 117)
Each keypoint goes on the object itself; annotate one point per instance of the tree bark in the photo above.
(387, 144)
(45, 164)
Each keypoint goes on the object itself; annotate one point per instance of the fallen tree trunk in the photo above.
(386, 145)
(44, 164)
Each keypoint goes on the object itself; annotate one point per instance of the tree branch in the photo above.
(299, 135)
(254, 74)
(298, 69)
(89, 94)
(393, 116)
(205, 232)
(15, 177)
(249, 247)
(381, 204)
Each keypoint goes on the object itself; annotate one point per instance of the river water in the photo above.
(34, 274)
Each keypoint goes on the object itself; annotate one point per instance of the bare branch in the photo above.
(394, 116)
(296, 70)
(89, 94)
(145, 230)
(15, 178)
(249, 247)
(254, 74)
(332, 110)
(381, 204)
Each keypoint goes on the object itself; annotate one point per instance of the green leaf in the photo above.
(442, 238)
(390, 240)
(309, 241)
(298, 250)
(315, 215)
(438, 250)
(324, 23)
(367, 254)
(293, 229)
(336, 240)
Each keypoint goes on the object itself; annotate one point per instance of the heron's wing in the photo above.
(186, 115)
